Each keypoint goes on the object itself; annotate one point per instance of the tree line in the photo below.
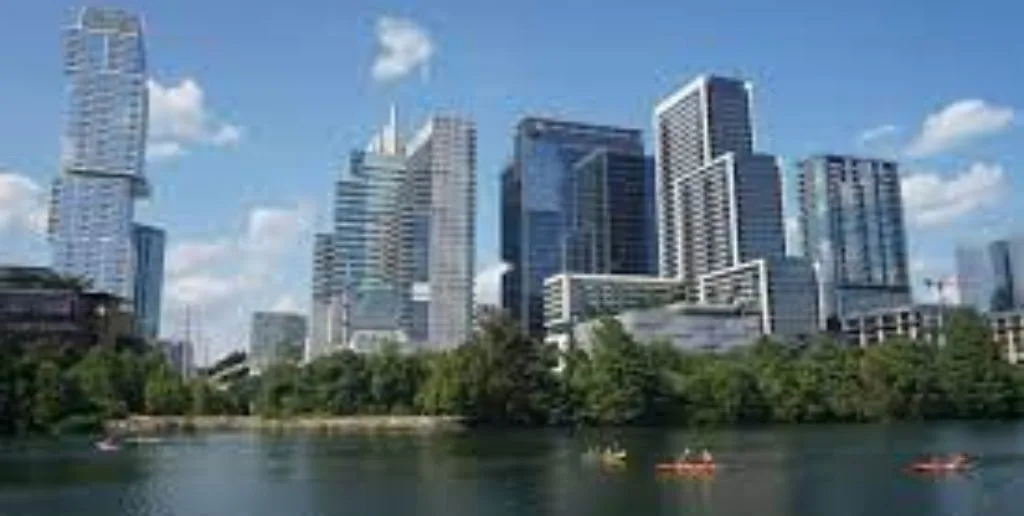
(503, 377)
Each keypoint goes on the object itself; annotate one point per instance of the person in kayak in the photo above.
(706, 458)
(684, 457)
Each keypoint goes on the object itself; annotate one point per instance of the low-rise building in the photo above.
(1008, 332)
(919, 323)
(783, 291)
(686, 326)
(38, 304)
(574, 297)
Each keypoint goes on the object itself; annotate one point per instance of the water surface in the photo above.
(812, 470)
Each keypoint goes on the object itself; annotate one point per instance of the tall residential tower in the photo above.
(102, 158)
(851, 224)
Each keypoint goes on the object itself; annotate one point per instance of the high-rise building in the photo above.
(102, 153)
(991, 278)
(399, 262)
(719, 208)
(442, 156)
(148, 251)
(539, 201)
(276, 336)
(851, 220)
(704, 120)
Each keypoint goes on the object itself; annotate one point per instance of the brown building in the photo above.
(38, 304)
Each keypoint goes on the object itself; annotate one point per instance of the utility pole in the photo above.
(938, 285)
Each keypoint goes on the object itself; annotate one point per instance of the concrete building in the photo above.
(1008, 332)
(181, 355)
(276, 336)
(702, 121)
(781, 290)
(543, 230)
(919, 323)
(443, 156)
(571, 298)
(103, 150)
(689, 327)
(148, 244)
(853, 233)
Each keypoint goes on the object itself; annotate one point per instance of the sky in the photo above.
(256, 104)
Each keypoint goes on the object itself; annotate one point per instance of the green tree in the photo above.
(975, 379)
(165, 393)
(620, 379)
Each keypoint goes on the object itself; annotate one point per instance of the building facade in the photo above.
(442, 162)
(703, 120)
(540, 218)
(852, 228)
(275, 337)
(403, 236)
(918, 323)
(148, 245)
(571, 298)
(180, 354)
(781, 290)
(1008, 332)
(688, 327)
(103, 150)
(991, 277)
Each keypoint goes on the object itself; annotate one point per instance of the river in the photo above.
(808, 470)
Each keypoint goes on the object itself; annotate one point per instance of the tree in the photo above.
(973, 376)
(165, 393)
(619, 379)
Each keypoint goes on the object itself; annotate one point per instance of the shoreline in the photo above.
(144, 425)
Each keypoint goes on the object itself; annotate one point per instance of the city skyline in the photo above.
(955, 186)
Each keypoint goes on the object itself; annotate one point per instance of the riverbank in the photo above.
(140, 425)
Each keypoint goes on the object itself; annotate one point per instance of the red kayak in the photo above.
(686, 467)
(939, 467)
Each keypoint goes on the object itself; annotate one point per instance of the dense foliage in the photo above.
(502, 377)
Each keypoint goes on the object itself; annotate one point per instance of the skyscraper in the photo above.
(719, 207)
(398, 264)
(102, 156)
(704, 120)
(851, 220)
(991, 278)
(443, 155)
(148, 250)
(538, 204)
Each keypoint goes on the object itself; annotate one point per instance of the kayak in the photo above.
(938, 467)
(107, 447)
(686, 467)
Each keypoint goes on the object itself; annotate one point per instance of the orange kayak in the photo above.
(686, 467)
(938, 467)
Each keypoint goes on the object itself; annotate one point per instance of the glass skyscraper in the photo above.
(102, 157)
(851, 222)
(542, 230)
(399, 263)
(991, 278)
(148, 245)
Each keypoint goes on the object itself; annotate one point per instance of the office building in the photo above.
(103, 150)
(37, 305)
(781, 290)
(180, 354)
(570, 298)
(991, 277)
(399, 263)
(442, 164)
(852, 228)
(917, 322)
(1008, 333)
(276, 337)
(148, 251)
(704, 120)
(540, 221)
(685, 326)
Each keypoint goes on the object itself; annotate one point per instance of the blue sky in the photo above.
(263, 100)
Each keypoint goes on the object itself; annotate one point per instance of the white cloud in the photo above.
(178, 117)
(487, 285)
(948, 293)
(189, 256)
(877, 133)
(22, 204)
(957, 123)
(932, 200)
(287, 303)
(404, 46)
(224, 280)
